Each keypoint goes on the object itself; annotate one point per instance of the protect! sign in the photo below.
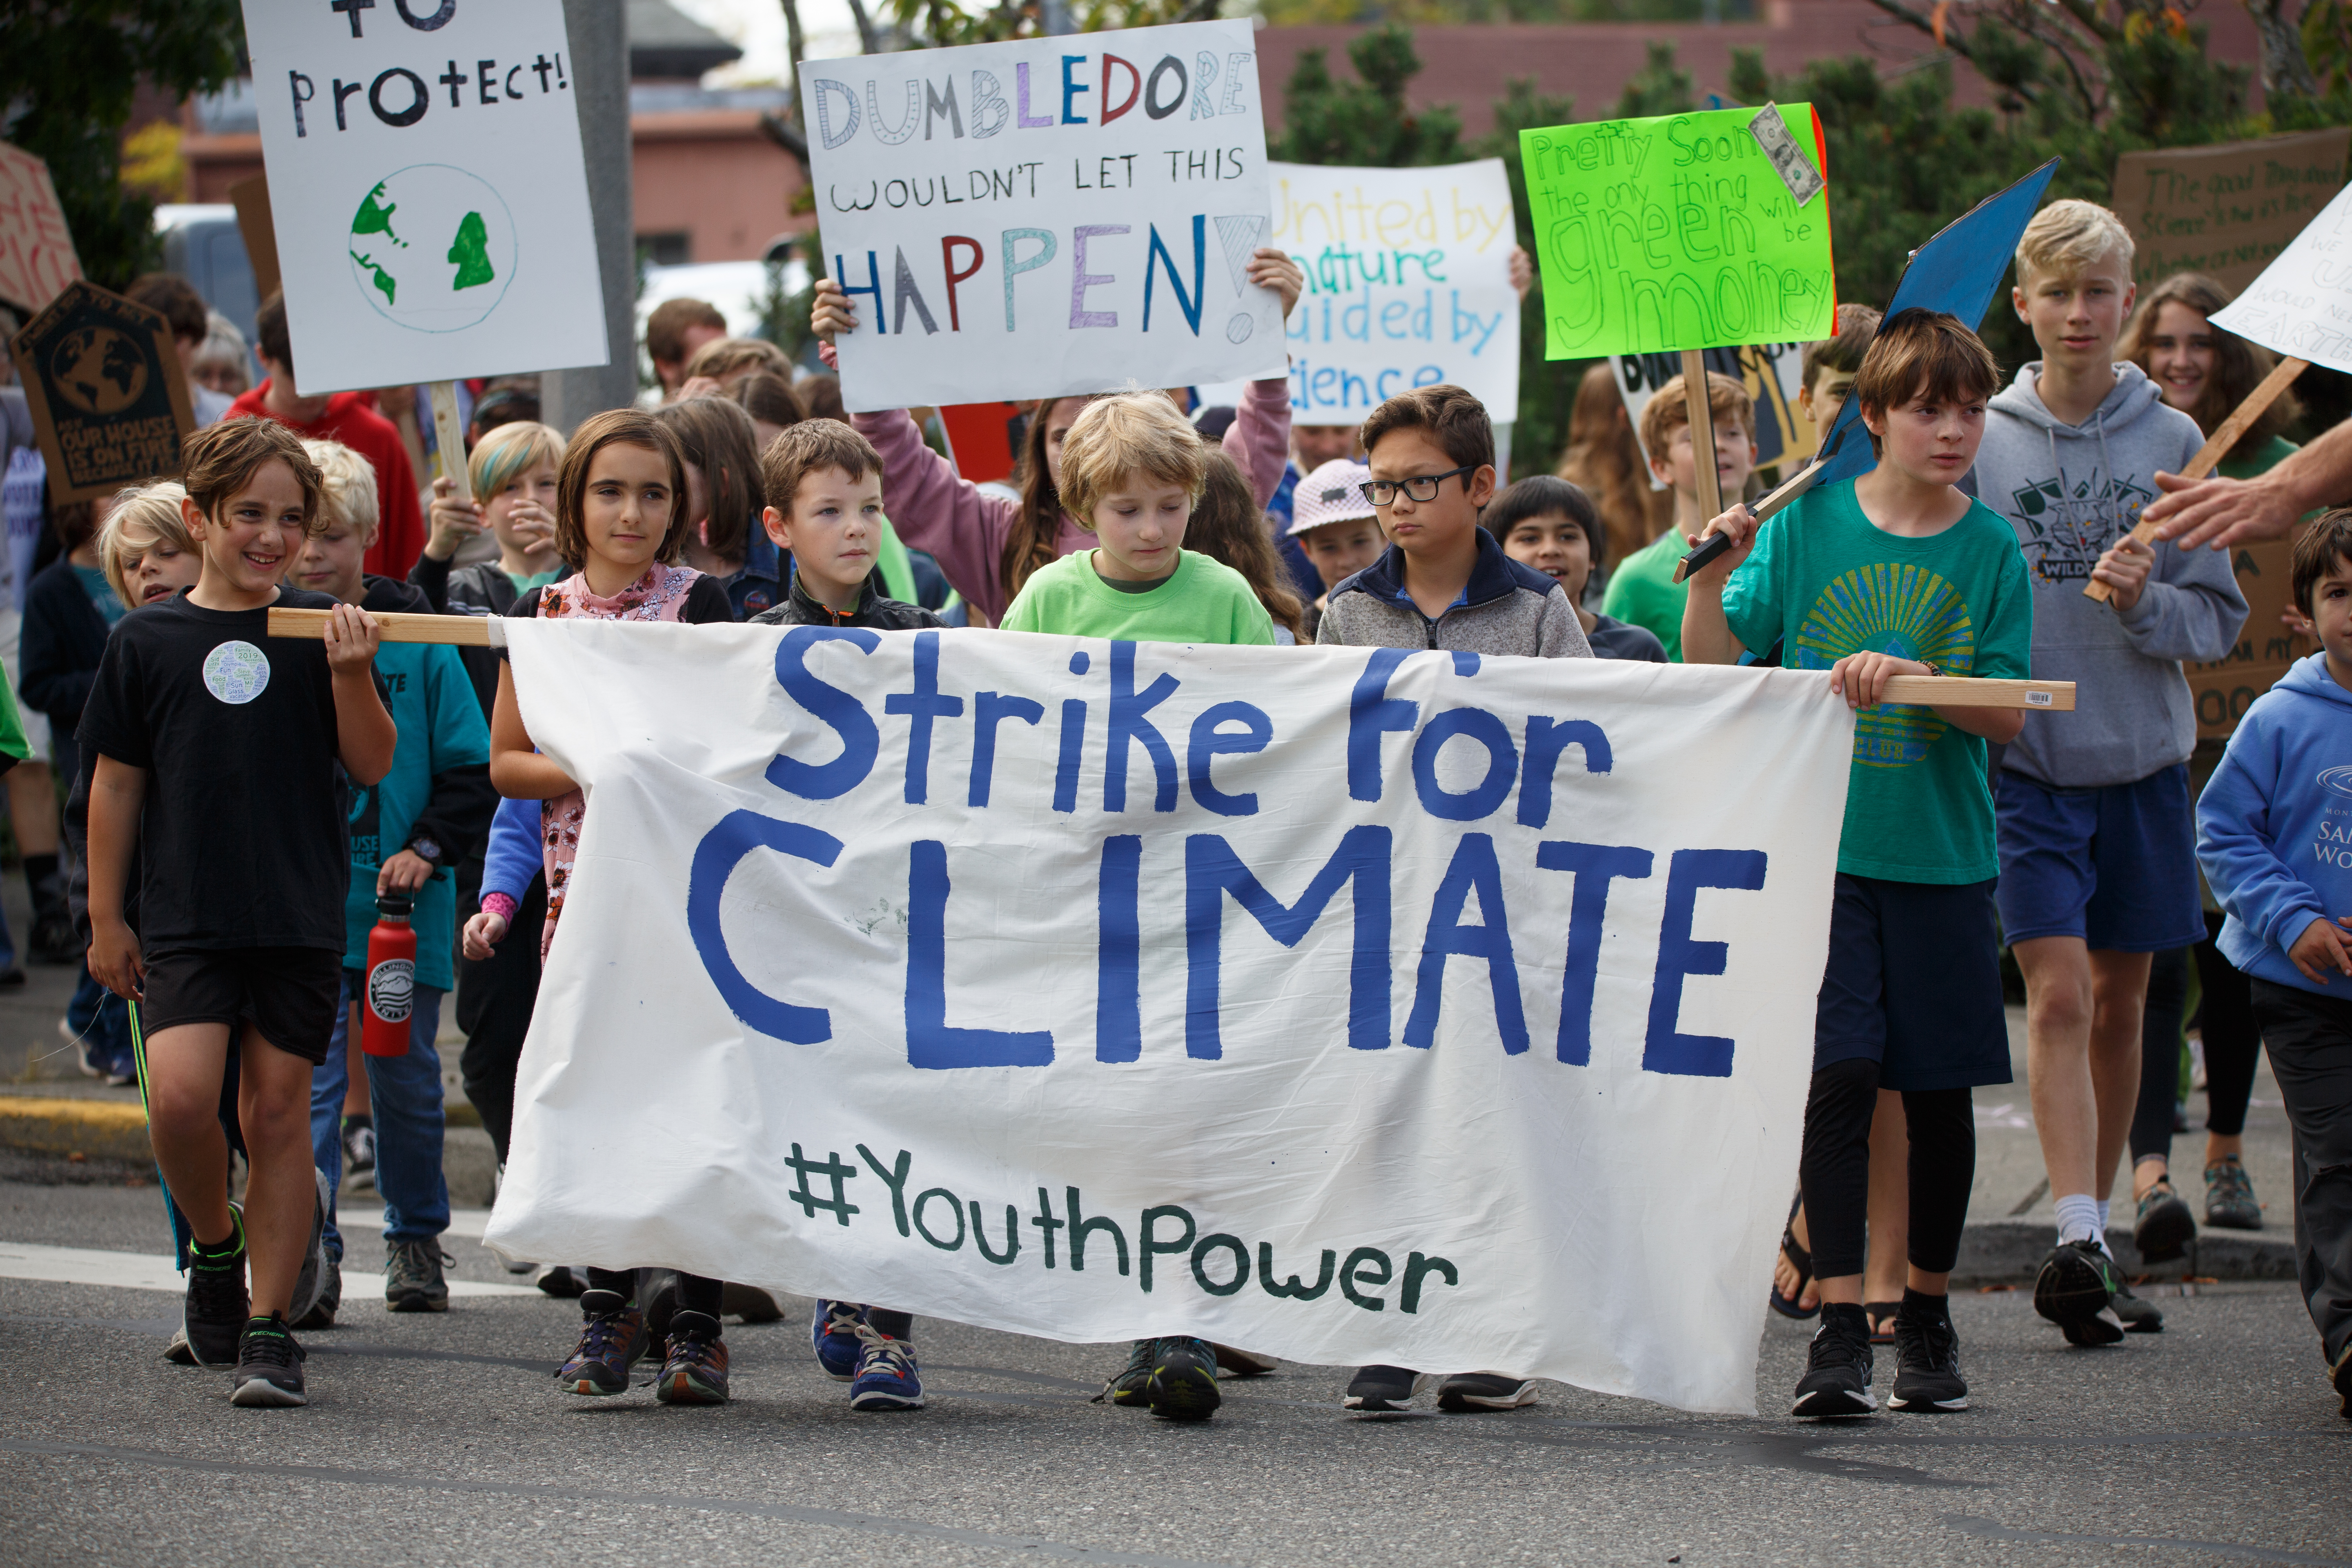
(1048, 217)
(1353, 1005)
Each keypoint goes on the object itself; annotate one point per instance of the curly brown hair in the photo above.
(2239, 366)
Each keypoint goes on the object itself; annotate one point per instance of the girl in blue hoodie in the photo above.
(2274, 836)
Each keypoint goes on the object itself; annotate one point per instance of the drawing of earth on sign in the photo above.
(98, 369)
(433, 247)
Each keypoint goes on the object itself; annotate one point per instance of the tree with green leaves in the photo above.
(67, 71)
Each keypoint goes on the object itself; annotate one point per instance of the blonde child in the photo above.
(144, 549)
(1642, 589)
(513, 472)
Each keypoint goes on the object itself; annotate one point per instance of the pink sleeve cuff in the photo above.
(500, 905)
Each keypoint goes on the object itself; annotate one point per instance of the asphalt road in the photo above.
(443, 1439)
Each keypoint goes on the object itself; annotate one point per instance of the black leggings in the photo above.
(694, 1294)
(1836, 1169)
(2159, 1054)
(495, 999)
(2233, 1039)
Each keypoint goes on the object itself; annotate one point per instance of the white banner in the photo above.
(2301, 306)
(1044, 217)
(1348, 1006)
(427, 187)
(1408, 284)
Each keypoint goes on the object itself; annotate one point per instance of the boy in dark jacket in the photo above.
(829, 478)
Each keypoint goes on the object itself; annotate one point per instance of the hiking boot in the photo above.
(888, 1377)
(1183, 1381)
(1128, 1386)
(412, 1276)
(835, 1335)
(214, 1314)
(1926, 1364)
(1378, 1390)
(2076, 1291)
(1485, 1391)
(611, 1338)
(695, 1371)
(2164, 1227)
(1838, 1367)
(268, 1365)
(2230, 1197)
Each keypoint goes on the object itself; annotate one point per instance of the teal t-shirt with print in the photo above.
(1825, 582)
(441, 727)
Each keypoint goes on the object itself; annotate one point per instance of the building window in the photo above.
(675, 248)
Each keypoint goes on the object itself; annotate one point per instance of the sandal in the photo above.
(1802, 1260)
(1882, 1321)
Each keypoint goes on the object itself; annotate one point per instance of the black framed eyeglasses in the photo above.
(1420, 487)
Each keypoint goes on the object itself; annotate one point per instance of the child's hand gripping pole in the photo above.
(2241, 419)
(1712, 545)
(449, 440)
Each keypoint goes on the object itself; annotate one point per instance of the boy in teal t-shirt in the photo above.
(1897, 573)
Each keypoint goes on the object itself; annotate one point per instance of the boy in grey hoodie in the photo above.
(2097, 868)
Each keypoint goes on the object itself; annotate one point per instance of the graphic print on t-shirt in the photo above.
(236, 672)
(2067, 524)
(1906, 611)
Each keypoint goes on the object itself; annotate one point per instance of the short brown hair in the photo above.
(616, 427)
(808, 445)
(2326, 542)
(1857, 327)
(1924, 354)
(1457, 421)
(219, 460)
(2239, 366)
(767, 398)
(717, 437)
(175, 299)
(269, 339)
(724, 356)
(1668, 410)
(1126, 433)
(666, 327)
(820, 396)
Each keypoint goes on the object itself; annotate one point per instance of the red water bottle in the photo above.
(390, 979)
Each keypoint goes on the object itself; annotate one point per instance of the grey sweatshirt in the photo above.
(2071, 492)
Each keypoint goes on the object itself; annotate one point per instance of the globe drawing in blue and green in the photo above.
(1907, 611)
(433, 247)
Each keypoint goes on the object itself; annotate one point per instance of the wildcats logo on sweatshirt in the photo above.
(2068, 524)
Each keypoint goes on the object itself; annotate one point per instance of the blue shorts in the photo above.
(2115, 866)
(1914, 984)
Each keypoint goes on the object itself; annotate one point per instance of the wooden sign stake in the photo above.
(1702, 425)
(2239, 420)
(449, 438)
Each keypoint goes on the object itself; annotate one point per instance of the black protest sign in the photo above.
(103, 379)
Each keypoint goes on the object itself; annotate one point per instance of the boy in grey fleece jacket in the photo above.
(2094, 824)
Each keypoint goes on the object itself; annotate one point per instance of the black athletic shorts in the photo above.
(290, 994)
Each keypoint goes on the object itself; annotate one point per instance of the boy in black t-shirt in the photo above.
(216, 748)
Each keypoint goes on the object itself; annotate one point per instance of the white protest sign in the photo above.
(2301, 306)
(1408, 284)
(427, 188)
(1350, 1005)
(1049, 216)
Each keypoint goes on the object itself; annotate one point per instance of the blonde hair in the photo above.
(2068, 236)
(144, 516)
(347, 488)
(506, 450)
(1126, 433)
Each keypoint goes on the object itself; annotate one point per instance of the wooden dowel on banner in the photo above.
(449, 438)
(457, 631)
(2241, 419)
(1702, 427)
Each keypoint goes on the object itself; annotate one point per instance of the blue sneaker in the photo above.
(888, 1378)
(835, 1334)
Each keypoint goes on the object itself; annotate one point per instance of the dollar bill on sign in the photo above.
(1796, 171)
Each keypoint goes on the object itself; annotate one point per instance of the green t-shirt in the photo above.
(12, 729)
(1202, 601)
(2245, 463)
(1642, 590)
(1826, 582)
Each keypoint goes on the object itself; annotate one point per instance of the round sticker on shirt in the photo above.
(235, 672)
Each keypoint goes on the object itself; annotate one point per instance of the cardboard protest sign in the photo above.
(259, 232)
(1677, 232)
(2226, 210)
(37, 253)
(1048, 217)
(2301, 306)
(1408, 284)
(2226, 688)
(103, 379)
(426, 189)
(1772, 373)
(1344, 1039)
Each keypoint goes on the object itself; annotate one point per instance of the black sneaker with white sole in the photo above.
(2076, 1291)
(2138, 1316)
(1926, 1363)
(1378, 1390)
(268, 1365)
(1485, 1391)
(1838, 1367)
(214, 1312)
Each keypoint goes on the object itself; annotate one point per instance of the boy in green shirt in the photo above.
(1642, 589)
(1897, 573)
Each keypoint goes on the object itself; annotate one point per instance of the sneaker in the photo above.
(1485, 1391)
(329, 1300)
(1242, 1363)
(310, 1281)
(2165, 1226)
(562, 1282)
(888, 1377)
(2230, 1197)
(696, 1370)
(611, 1338)
(412, 1277)
(91, 1053)
(214, 1314)
(1129, 1386)
(268, 1365)
(2137, 1317)
(2076, 1291)
(1838, 1367)
(1183, 1381)
(1926, 1364)
(359, 1151)
(834, 1334)
(122, 1071)
(1377, 1389)
(176, 1351)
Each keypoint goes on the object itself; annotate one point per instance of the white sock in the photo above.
(2078, 1218)
(2103, 1206)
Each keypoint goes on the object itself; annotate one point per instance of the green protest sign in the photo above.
(1680, 232)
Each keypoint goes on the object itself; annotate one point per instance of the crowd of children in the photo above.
(248, 808)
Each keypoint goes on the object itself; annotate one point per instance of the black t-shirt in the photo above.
(242, 839)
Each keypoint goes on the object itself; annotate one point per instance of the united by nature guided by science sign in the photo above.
(1678, 232)
(427, 188)
(1048, 217)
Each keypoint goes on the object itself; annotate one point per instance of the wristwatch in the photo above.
(1933, 667)
(425, 849)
